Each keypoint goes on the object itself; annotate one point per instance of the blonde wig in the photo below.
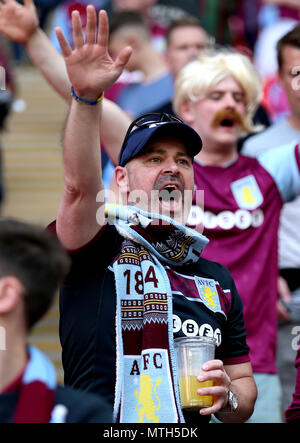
(198, 77)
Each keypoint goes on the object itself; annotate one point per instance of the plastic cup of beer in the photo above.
(191, 354)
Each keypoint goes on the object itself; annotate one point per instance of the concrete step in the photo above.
(32, 159)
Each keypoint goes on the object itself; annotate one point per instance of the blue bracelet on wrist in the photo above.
(83, 100)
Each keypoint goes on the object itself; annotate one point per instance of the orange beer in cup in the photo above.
(188, 386)
(191, 354)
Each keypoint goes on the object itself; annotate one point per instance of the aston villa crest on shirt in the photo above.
(208, 294)
(246, 192)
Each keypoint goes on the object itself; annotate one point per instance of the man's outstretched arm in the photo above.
(91, 71)
(19, 23)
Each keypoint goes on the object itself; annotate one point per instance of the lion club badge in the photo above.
(246, 192)
(208, 294)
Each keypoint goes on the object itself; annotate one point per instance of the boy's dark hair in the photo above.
(36, 258)
(126, 18)
(187, 20)
(292, 38)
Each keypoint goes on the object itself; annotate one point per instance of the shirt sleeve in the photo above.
(283, 164)
(234, 348)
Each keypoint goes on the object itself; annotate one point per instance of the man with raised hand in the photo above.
(137, 279)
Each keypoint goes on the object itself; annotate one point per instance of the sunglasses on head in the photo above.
(147, 120)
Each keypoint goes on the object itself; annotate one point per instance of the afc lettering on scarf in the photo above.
(156, 359)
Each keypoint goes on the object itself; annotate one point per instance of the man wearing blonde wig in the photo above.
(217, 95)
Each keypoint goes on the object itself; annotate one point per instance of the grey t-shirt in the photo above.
(276, 135)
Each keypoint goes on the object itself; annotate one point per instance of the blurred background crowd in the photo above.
(250, 26)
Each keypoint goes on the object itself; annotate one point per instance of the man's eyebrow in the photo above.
(151, 150)
(223, 90)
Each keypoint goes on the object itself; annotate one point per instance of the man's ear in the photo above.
(187, 111)
(121, 178)
(11, 291)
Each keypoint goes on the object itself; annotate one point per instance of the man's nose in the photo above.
(171, 168)
(229, 101)
(193, 53)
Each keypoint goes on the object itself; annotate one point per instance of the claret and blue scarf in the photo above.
(36, 387)
(146, 387)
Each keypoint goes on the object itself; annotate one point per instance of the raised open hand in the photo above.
(18, 22)
(90, 68)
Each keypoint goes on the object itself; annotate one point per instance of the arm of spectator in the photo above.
(239, 378)
(19, 23)
(91, 71)
(283, 164)
(51, 64)
(284, 298)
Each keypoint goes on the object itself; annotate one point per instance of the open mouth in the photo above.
(227, 123)
(227, 119)
(169, 193)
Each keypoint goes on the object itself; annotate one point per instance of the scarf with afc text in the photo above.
(146, 387)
